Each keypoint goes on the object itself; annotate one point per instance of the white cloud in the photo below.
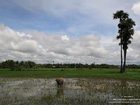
(43, 48)
(12, 42)
(136, 8)
(65, 38)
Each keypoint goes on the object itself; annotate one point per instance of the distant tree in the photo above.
(9, 64)
(125, 31)
(31, 64)
(27, 64)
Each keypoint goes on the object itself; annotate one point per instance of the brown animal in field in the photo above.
(60, 82)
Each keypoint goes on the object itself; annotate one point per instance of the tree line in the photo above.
(25, 65)
(17, 65)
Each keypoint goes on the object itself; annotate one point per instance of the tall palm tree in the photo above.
(125, 30)
(121, 16)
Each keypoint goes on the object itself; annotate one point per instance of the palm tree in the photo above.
(121, 16)
(125, 31)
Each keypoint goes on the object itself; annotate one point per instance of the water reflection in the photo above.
(74, 92)
(60, 92)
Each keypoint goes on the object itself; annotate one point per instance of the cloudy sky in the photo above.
(65, 31)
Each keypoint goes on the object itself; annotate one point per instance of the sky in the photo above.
(65, 31)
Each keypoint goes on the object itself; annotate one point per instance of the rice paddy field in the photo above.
(132, 74)
(81, 87)
(76, 91)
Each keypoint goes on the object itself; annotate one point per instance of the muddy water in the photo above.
(76, 91)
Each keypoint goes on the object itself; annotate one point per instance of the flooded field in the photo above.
(76, 91)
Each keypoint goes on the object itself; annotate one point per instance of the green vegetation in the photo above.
(71, 73)
(29, 69)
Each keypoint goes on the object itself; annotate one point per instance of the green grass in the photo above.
(72, 73)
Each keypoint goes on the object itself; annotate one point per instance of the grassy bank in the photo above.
(72, 73)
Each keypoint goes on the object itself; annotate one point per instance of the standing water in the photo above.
(76, 91)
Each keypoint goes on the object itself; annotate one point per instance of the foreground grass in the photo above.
(72, 73)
